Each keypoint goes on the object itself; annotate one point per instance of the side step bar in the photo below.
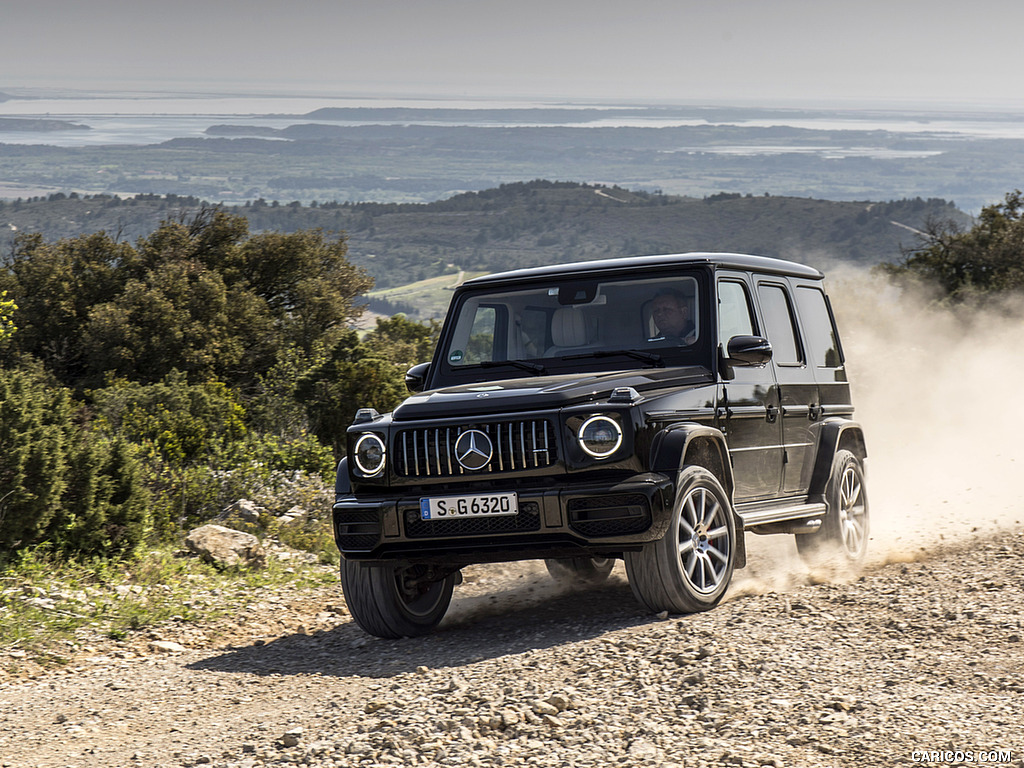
(808, 515)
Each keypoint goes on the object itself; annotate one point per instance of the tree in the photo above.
(7, 308)
(55, 287)
(202, 296)
(968, 264)
(363, 374)
(402, 341)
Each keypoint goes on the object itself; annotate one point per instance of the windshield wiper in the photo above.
(534, 368)
(636, 354)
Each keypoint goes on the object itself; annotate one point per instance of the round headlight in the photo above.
(370, 453)
(600, 436)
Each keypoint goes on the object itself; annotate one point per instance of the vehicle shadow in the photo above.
(477, 628)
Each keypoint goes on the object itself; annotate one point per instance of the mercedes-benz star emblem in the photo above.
(473, 449)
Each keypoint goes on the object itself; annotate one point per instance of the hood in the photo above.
(544, 392)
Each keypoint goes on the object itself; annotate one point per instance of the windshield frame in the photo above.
(605, 295)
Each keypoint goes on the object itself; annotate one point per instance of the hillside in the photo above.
(527, 224)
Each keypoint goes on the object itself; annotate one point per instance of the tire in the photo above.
(385, 604)
(844, 531)
(690, 567)
(580, 570)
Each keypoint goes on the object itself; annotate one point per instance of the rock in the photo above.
(41, 603)
(561, 702)
(543, 708)
(640, 749)
(246, 510)
(359, 748)
(224, 546)
(291, 737)
(509, 718)
(166, 646)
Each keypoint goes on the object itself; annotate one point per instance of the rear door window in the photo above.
(779, 324)
(819, 328)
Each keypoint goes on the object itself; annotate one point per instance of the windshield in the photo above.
(589, 323)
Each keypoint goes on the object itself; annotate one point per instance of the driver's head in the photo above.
(670, 312)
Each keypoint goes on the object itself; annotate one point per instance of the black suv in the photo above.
(652, 409)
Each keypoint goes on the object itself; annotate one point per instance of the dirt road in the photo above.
(908, 662)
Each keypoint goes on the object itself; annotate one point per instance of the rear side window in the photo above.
(779, 325)
(819, 328)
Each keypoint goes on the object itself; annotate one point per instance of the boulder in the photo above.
(243, 509)
(224, 546)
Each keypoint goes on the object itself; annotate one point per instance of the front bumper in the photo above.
(559, 521)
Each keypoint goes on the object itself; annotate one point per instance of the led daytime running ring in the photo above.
(600, 454)
(383, 454)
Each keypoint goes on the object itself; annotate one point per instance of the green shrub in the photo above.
(105, 508)
(60, 482)
(35, 420)
(181, 422)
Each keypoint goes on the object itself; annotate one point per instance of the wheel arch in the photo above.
(697, 444)
(836, 435)
(682, 444)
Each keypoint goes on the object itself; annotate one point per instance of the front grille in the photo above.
(356, 529)
(615, 515)
(517, 445)
(527, 520)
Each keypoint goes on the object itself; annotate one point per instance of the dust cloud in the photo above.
(939, 396)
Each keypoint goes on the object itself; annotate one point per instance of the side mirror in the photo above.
(416, 377)
(749, 351)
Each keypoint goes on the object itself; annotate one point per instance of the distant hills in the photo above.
(38, 125)
(527, 224)
(398, 154)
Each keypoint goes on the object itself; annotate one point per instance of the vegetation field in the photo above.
(527, 224)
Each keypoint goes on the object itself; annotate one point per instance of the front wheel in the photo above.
(844, 531)
(690, 567)
(391, 601)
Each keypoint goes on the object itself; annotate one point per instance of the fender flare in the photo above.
(342, 482)
(835, 434)
(682, 444)
(672, 446)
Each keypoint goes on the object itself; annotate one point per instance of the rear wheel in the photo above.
(689, 569)
(392, 601)
(580, 570)
(844, 531)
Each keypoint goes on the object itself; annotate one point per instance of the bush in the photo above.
(34, 424)
(60, 482)
(105, 508)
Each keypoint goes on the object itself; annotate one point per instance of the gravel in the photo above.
(909, 663)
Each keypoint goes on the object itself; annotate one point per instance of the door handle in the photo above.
(772, 413)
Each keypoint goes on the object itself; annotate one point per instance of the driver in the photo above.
(671, 313)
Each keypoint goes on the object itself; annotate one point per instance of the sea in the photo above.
(128, 119)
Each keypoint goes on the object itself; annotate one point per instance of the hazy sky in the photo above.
(719, 50)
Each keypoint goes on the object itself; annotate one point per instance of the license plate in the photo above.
(485, 505)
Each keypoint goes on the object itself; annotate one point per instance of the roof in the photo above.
(728, 260)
